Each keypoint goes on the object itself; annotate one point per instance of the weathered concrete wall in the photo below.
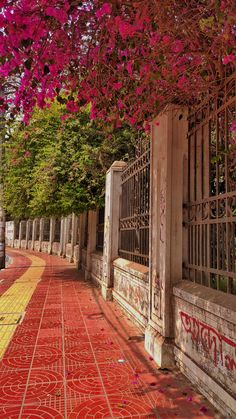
(97, 267)
(44, 246)
(131, 289)
(55, 248)
(37, 245)
(16, 243)
(76, 254)
(23, 244)
(69, 254)
(205, 338)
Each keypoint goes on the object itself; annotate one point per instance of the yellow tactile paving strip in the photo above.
(16, 298)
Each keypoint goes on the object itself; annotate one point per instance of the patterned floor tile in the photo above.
(76, 356)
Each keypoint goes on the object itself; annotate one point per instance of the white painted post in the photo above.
(91, 245)
(27, 233)
(111, 225)
(41, 232)
(168, 155)
(20, 234)
(62, 238)
(34, 227)
(51, 234)
(73, 235)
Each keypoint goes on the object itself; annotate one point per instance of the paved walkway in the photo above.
(74, 356)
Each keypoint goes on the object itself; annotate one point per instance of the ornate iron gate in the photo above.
(100, 229)
(135, 197)
(210, 214)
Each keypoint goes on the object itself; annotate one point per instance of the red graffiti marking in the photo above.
(209, 339)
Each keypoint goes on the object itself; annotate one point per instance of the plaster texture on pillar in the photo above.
(51, 234)
(28, 232)
(168, 157)
(62, 238)
(34, 226)
(111, 225)
(91, 243)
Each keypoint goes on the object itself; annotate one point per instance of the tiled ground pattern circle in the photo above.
(71, 358)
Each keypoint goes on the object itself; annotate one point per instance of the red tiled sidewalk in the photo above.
(75, 356)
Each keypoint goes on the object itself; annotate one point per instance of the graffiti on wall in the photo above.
(211, 341)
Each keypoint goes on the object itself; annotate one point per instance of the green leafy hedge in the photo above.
(57, 165)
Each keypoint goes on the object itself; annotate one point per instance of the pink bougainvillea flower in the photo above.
(129, 68)
(166, 39)
(104, 10)
(233, 127)
(120, 104)
(71, 106)
(228, 58)
(177, 47)
(117, 86)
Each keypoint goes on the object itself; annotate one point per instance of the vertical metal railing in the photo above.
(135, 207)
(211, 208)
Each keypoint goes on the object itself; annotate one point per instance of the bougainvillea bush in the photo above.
(128, 58)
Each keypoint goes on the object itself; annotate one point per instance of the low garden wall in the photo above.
(205, 341)
(131, 289)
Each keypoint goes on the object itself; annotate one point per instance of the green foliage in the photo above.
(56, 166)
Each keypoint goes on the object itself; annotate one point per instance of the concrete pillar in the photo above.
(74, 228)
(20, 233)
(51, 234)
(27, 236)
(91, 244)
(34, 227)
(62, 237)
(111, 225)
(168, 159)
(81, 228)
(41, 230)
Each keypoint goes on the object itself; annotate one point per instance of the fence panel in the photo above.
(210, 213)
(135, 206)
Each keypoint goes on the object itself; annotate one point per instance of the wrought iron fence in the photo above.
(23, 230)
(46, 230)
(30, 229)
(57, 231)
(37, 230)
(69, 229)
(17, 229)
(210, 213)
(100, 229)
(134, 216)
(86, 231)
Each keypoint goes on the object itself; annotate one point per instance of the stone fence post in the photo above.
(168, 157)
(91, 244)
(41, 233)
(27, 236)
(51, 234)
(111, 225)
(74, 231)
